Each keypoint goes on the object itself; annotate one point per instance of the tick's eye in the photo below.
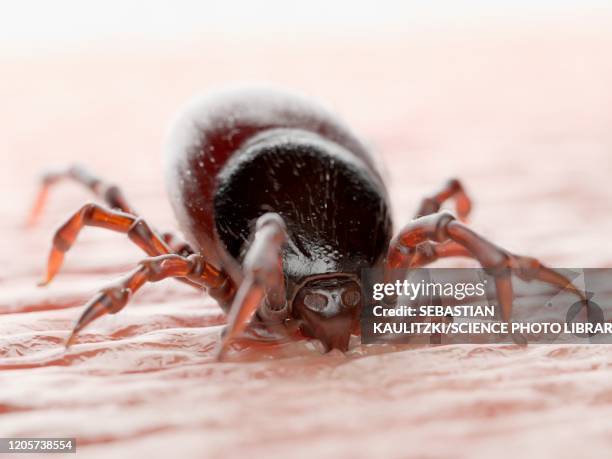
(315, 301)
(350, 297)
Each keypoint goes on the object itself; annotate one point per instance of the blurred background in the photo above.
(513, 97)
(476, 87)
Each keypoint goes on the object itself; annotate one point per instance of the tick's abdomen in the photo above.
(336, 216)
(237, 155)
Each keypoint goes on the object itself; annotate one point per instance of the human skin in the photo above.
(530, 149)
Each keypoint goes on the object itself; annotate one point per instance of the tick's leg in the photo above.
(93, 215)
(428, 252)
(112, 299)
(442, 228)
(423, 254)
(263, 280)
(110, 193)
(177, 244)
(452, 189)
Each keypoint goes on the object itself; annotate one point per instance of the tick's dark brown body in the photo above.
(235, 156)
(282, 207)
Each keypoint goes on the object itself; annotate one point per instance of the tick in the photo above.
(281, 206)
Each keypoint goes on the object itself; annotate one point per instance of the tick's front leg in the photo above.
(263, 281)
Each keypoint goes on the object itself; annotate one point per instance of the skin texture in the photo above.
(143, 382)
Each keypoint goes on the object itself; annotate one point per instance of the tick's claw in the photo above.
(220, 351)
(70, 341)
(38, 206)
(56, 259)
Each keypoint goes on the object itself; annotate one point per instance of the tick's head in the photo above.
(329, 307)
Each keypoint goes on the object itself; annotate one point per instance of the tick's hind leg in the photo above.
(112, 299)
(263, 281)
(93, 215)
(452, 189)
(110, 193)
(453, 238)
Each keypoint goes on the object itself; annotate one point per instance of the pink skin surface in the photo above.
(522, 116)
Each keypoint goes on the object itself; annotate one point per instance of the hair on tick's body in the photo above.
(281, 206)
(253, 152)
